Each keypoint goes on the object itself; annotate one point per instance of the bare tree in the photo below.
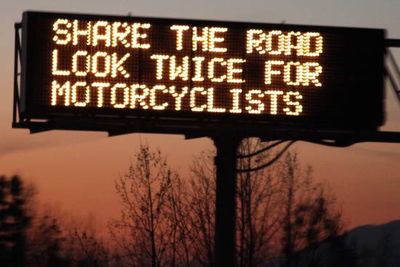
(167, 222)
(46, 240)
(202, 208)
(85, 246)
(177, 211)
(309, 215)
(280, 209)
(258, 207)
(150, 226)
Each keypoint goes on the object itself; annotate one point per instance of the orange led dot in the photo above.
(114, 93)
(153, 97)
(120, 33)
(254, 40)
(250, 97)
(77, 32)
(103, 37)
(63, 35)
(234, 69)
(54, 65)
(193, 101)
(137, 36)
(181, 71)
(296, 104)
(236, 101)
(273, 100)
(311, 72)
(198, 76)
(159, 65)
(179, 35)
(293, 40)
(101, 64)
(213, 39)
(287, 78)
(178, 97)
(210, 102)
(75, 63)
(271, 39)
(100, 92)
(312, 39)
(137, 97)
(74, 94)
(197, 38)
(117, 65)
(269, 71)
(211, 69)
(58, 90)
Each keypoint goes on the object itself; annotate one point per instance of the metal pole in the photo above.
(16, 107)
(225, 213)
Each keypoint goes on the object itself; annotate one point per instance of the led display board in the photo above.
(92, 66)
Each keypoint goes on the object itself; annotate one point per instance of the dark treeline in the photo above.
(283, 217)
(33, 236)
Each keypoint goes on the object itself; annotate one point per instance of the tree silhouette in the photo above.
(151, 228)
(168, 222)
(46, 242)
(27, 237)
(202, 189)
(281, 209)
(87, 249)
(309, 214)
(13, 222)
(258, 206)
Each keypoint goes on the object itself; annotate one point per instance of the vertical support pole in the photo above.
(225, 212)
(16, 107)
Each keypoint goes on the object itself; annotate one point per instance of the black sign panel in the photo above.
(89, 66)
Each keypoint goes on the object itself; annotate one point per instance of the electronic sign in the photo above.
(91, 66)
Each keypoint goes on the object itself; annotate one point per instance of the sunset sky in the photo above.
(76, 170)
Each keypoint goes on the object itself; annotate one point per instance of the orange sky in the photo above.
(76, 170)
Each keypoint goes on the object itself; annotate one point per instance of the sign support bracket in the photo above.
(17, 70)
